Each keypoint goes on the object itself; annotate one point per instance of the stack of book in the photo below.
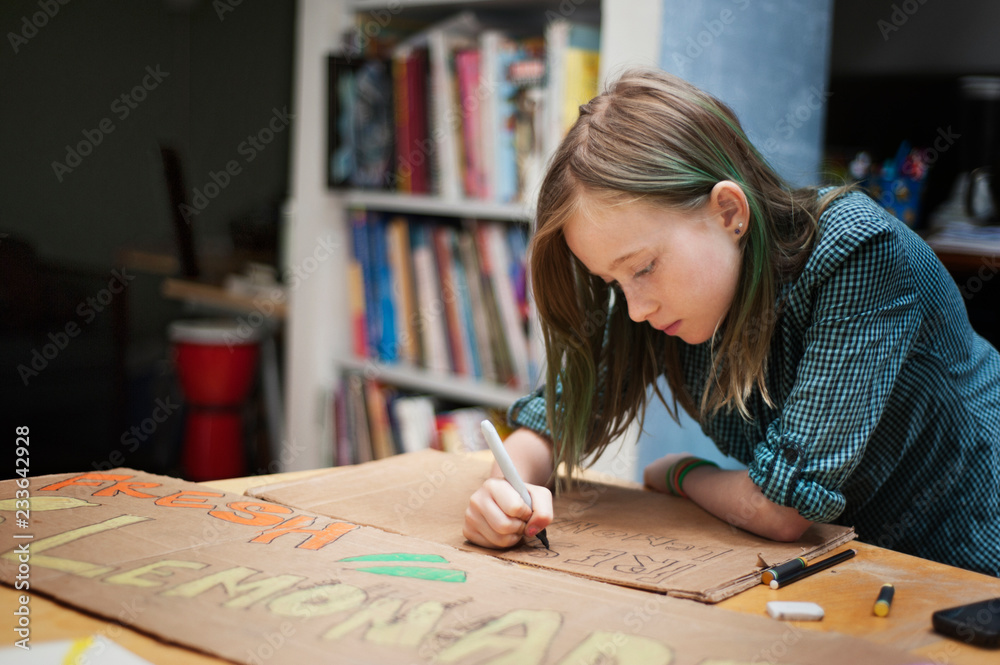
(475, 113)
(447, 296)
(374, 421)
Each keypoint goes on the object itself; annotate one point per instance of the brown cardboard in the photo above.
(624, 535)
(257, 582)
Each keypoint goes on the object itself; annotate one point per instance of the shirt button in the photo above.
(791, 455)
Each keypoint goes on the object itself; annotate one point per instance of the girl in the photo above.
(813, 336)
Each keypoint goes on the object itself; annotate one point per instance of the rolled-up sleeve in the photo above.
(529, 412)
(864, 320)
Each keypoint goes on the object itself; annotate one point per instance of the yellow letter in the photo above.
(242, 595)
(81, 568)
(529, 648)
(318, 601)
(606, 648)
(386, 627)
(134, 577)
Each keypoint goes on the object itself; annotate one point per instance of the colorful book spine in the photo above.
(362, 254)
(467, 63)
(430, 306)
(460, 362)
(402, 292)
(385, 339)
(401, 111)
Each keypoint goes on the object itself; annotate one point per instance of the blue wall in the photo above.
(769, 60)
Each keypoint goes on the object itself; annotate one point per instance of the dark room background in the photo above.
(92, 91)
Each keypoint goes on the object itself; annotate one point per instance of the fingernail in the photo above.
(531, 531)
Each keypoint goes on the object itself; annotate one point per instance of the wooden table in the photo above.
(846, 592)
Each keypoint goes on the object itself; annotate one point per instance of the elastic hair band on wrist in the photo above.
(679, 470)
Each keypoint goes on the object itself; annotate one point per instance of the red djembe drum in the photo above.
(215, 363)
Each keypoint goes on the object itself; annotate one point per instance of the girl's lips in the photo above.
(672, 328)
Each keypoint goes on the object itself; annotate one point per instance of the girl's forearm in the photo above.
(732, 496)
(531, 454)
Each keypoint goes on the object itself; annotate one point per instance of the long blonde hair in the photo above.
(654, 138)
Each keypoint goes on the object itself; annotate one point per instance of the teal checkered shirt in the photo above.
(887, 412)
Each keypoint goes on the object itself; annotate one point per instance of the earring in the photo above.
(738, 230)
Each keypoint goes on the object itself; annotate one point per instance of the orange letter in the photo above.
(85, 479)
(317, 539)
(255, 512)
(179, 501)
(126, 488)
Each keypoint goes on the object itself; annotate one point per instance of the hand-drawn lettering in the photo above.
(318, 601)
(187, 499)
(125, 487)
(711, 554)
(90, 479)
(597, 557)
(606, 647)
(317, 537)
(527, 647)
(160, 568)
(572, 526)
(82, 568)
(669, 570)
(241, 594)
(386, 626)
(257, 514)
(641, 563)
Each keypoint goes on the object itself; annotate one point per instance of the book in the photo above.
(341, 99)
(573, 59)
(362, 255)
(343, 448)
(356, 308)
(430, 306)
(481, 334)
(458, 349)
(497, 52)
(357, 418)
(527, 76)
(442, 40)
(517, 236)
(401, 111)
(378, 420)
(374, 133)
(495, 254)
(413, 149)
(402, 291)
(463, 307)
(416, 420)
(384, 337)
(470, 95)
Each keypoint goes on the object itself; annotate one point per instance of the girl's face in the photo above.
(677, 270)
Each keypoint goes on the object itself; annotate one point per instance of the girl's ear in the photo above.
(729, 202)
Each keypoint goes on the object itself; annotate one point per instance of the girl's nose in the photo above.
(639, 306)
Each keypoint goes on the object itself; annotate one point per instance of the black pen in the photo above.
(777, 583)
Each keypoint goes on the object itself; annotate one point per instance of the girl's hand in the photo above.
(654, 476)
(498, 517)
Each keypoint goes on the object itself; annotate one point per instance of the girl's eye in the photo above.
(645, 271)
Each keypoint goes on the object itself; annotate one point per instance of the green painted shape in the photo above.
(399, 556)
(435, 574)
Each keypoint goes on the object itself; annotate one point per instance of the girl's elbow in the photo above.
(788, 533)
(787, 526)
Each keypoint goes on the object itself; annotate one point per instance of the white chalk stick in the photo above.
(788, 610)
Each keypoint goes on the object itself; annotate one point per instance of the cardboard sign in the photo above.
(623, 535)
(259, 582)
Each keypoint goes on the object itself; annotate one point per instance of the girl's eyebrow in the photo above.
(622, 259)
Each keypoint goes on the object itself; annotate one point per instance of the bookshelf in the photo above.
(318, 242)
